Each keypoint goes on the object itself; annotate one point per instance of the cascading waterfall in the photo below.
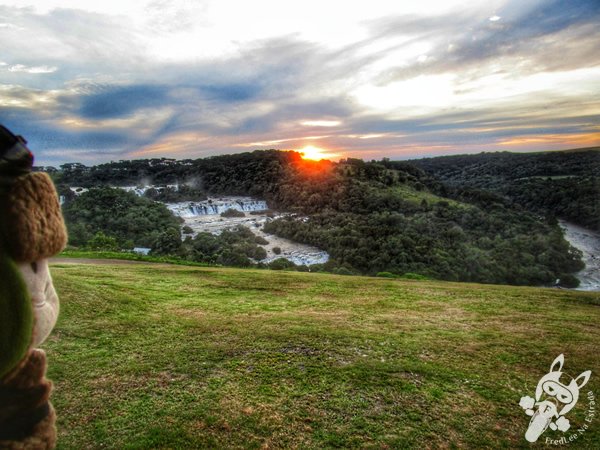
(216, 206)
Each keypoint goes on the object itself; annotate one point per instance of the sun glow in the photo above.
(315, 153)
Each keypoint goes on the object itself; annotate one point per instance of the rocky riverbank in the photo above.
(588, 242)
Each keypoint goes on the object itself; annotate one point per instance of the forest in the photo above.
(131, 220)
(564, 185)
(378, 216)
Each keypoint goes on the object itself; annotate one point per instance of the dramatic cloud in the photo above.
(95, 81)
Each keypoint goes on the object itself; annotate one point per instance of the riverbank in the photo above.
(588, 242)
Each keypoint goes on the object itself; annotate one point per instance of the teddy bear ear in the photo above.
(35, 228)
(16, 316)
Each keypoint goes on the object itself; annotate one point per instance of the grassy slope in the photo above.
(179, 357)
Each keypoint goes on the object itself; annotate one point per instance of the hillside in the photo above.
(185, 357)
(561, 184)
(476, 169)
(370, 217)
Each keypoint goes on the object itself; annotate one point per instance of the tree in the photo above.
(569, 281)
(168, 242)
(281, 264)
(102, 242)
(233, 213)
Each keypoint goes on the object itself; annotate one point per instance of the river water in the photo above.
(588, 242)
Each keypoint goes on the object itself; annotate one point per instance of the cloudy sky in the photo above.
(94, 81)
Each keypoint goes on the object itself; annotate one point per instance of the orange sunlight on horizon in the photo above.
(315, 153)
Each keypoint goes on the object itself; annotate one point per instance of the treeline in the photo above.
(495, 167)
(564, 185)
(378, 216)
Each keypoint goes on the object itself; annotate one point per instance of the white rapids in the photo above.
(588, 242)
(216, 206)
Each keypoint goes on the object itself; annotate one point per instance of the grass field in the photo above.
(164, 356)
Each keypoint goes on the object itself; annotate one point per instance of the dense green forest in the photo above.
(564, 185)
(370, 216)
(129, 219)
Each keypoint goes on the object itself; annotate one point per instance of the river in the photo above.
(588, 242)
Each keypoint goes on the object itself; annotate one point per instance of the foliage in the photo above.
(281, 264)
(386, 275)
(237, 247)
(568, 281)
(449, 241)
(167, 242)
(413, 276)
(562, 184)
(378, 216)
(576, 199)
(102, 242)
(178, 193)
(262, 241)
(233, 213)
(124, 255)
(119, 214)
(343, 271)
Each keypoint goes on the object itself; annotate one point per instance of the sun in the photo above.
(313, 153)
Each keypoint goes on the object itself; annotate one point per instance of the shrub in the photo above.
(233, 213)
(414, 276)
(102, 242)
(260, 240)
(281, 264)
(167, 242)
(343, 271)
(568, 281)
(386, 275)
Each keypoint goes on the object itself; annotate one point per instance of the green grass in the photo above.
(163, 356)
(409, 194)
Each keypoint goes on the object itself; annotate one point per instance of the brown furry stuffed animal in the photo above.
(31, 231)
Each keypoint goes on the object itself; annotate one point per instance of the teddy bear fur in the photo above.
(35, 226)
(31, 230)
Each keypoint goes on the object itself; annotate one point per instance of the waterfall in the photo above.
(217, 206)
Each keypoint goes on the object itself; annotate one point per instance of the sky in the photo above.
(98, 81)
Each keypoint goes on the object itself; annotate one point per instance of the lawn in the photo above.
(165, 356)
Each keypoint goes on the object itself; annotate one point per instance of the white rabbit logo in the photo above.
(554, 400)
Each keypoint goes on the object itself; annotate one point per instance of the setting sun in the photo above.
(314, 153)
